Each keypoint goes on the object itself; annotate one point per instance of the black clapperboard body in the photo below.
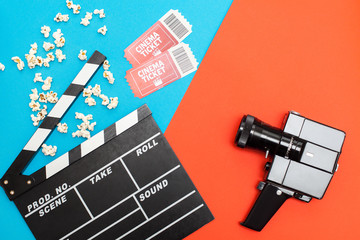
(123, 183)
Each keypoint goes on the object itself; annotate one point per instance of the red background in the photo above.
(267, 58)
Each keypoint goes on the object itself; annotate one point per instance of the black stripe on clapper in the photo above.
(49, 122)
(110, 132)
(74, 154)
(73, 89)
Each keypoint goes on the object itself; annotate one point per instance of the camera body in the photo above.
(305, 158)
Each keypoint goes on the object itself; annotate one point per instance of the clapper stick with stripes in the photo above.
(13, 182)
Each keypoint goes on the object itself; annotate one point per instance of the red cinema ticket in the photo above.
(162, 70)
(169, 31)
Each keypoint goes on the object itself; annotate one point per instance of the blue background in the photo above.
(20, 23)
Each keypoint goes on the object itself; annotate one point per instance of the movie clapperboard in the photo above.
(123, 183)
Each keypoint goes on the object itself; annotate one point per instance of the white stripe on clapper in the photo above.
(85, 73)
(126, 122)
(57, 165)
(37, 139)
(61, 106)
(92, 144)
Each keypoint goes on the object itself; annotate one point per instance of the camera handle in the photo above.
(269, 201)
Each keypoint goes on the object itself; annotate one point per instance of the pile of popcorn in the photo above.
(61, 17)
(96, 91)
(85, 127)
(49, 150)
(74, 7)
(86, 20)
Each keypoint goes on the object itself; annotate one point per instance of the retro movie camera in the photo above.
(305, 159)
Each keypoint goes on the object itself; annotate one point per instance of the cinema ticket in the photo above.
(169, 31)
(162, 70)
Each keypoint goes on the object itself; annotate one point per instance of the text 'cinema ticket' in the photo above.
(169, 66)
(169, 31)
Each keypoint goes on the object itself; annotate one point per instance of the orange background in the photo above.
(267, 58)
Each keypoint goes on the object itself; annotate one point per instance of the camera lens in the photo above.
(243, 133)
(256, 134)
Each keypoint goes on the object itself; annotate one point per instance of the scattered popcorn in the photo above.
(2, 67)
(38, 78)
(61, 18)
(85, 21)
(42, 98)
(60, 42)
(50, 56)
(84, 126)
(81, 133)
(83, 117)
(82, 55)
(20, 64)
(90, 101)
(91, 126)
(69, 4)
(105, 99)
(87, 92)
(106, 65)
(31, 59)
(102, 30)
(42, 113)
(48, 46)
(88, 15)
(46, 62)
(39, 61)
(113, 104)
(35, 120)
(62, 127)
(58, 34)
(47, 84)
(100, 12)
(75, 7)
(35, 106)
(52, 97)
(46, 31)
(49, 150)
(33, 49)
(109, 76)
(34, 96)
(96, 90)
(59, 55)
